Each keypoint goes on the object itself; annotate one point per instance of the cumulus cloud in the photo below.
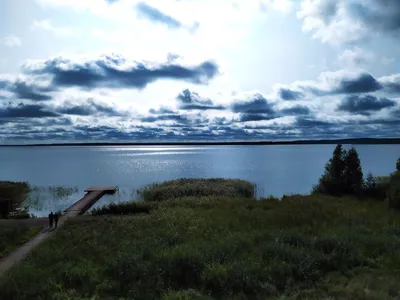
(189, 100)
(349, 21)
(340, 82)
(115, 71)
(355, 57)
(25, 90)
(89, 108)
(364, 104)
(391, 83)
(26, 111)
(289, 95)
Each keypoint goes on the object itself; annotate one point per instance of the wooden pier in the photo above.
(93, 194)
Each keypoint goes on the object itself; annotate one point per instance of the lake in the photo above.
(276, 170)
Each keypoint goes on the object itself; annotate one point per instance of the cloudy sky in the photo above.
(175, 70)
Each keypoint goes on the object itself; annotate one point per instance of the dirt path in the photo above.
(21, 252)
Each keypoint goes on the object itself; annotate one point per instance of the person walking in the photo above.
(56, 220)
(51, 218)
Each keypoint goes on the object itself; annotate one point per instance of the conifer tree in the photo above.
(353, 175)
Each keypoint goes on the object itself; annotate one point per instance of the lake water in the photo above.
(276, 170)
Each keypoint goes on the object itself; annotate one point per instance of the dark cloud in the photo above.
(167, 117)
(381, 15)
(90, 108)
(155, 15)
(257, 104)
(311, 122)
(295, 111)
(116, 72)
(363, 104)
(23, 90)
(30, 92)
(161, 110)
(255, 117)
(289, 95)
(189, 100)
(363, 83)
(26, 111)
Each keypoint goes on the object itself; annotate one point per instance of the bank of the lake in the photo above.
(192, 239)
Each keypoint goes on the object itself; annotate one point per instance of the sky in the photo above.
(198, 70)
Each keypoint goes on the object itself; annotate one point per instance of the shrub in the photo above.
(124, 208)
(376, 187)
(197, 187)
(394, 191)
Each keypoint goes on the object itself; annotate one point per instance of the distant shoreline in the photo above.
(361, 141)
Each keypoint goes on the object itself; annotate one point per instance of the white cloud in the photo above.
(355, 57)
(12, 41)
(58, 31)
(350, 21)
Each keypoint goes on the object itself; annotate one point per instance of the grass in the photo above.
(197, 187)
(220, 247)
(14, 234)
(125, 208)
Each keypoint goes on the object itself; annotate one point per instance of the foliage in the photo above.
(353, 175)
(123, 208)
(20, 215)
(398, 165)
(16, 191)
(332, 181)
(14, 234)
(197, 187)
(376, 187)
(394, 191)
(220, 247)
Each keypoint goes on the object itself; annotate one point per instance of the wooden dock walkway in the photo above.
(93, 194)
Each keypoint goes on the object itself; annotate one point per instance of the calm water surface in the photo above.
(276, 170)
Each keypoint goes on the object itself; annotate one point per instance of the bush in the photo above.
(197, 187)
(124, 208)
(20, 215)
(394, 191)
(376, 187)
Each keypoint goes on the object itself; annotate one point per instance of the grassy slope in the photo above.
(218, 247)
(14, 234)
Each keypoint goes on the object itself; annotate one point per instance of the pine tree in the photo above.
(332, 182)
(353, 175)
(398, 165)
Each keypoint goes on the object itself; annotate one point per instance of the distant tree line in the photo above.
(344, 176)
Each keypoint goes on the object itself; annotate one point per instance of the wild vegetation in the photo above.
(344, 176)
(197, 187)
(210, 239)
(13, 234)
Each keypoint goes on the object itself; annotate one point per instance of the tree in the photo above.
(352, 175)
(370, 182)
(332, 181)
(398, 165)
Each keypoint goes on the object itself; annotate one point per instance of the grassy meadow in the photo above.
(14, 234)
(210, 239)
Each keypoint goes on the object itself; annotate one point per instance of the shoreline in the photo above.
(360, 141)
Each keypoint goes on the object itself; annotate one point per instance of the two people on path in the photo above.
(53, 218)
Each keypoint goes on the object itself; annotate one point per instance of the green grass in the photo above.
(220, 247)
(124, 208)
(197, 187)
(13, 234)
